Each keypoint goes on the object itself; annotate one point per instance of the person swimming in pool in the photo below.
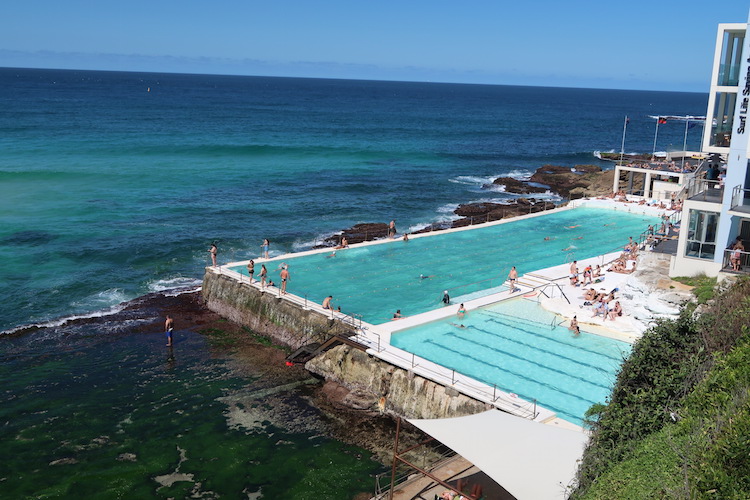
(446, 298)
(426, 277)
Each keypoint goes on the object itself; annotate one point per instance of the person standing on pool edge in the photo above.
(251, 269)
(168, 328)
(213, 250)
(284, 278)
(392, 229)
(513, 276)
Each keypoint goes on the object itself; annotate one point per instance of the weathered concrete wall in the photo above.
(405, 394)
(265, 313)
(367, 377)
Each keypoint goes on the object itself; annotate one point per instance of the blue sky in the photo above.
(636, 44)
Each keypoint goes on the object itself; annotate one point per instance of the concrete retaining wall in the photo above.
(404, 393)
(265, 313)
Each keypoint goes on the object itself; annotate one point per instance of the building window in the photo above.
(721, 124)
(731, 54)
(701, 240)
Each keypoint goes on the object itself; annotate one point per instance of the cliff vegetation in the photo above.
(677, 424)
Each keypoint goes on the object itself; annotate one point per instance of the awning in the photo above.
(530, 460)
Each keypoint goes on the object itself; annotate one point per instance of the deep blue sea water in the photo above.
(113, 185)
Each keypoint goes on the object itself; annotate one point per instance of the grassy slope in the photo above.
(678, 423)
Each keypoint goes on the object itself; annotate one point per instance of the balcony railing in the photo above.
(737, 261)
(705, 190)
(740, 197)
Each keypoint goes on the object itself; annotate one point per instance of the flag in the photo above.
(662, 120)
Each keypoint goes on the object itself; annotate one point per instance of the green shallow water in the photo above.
(110, 416)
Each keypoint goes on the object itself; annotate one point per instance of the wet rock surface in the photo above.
(567, 182)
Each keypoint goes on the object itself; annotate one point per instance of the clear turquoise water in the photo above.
(374, 281)
(523, 349)
(109, 190)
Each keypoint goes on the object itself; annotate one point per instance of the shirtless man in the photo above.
(574, 273)
(327, 302)
(168, 328)
(513, 276)
(213, 250)
(284, 278)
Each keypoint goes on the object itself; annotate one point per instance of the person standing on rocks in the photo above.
(168, 329)
(392, 229)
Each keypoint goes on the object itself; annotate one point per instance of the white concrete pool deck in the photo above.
(544, 286)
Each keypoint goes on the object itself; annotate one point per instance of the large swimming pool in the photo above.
(523, 349)
(375, 280)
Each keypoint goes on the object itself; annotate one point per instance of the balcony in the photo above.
(740, 200)
(705, 190)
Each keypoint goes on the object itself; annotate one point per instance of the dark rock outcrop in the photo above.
(358, 233)
(516, 186)
(565, 181)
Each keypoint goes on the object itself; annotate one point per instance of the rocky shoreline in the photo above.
(567, 183)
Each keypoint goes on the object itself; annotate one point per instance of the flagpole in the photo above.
(656, 133)
(622, 146)
(684, 145)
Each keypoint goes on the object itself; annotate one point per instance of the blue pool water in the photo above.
(523, 349)
(376, 280)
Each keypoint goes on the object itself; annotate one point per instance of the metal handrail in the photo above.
(739, 193)
(744, 261)
(697, 187)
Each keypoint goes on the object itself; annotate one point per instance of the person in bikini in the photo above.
(251, 269)
(263, 274)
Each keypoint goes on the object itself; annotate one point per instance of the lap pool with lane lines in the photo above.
(523, 349)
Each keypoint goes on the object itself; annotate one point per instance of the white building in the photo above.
(717, 211)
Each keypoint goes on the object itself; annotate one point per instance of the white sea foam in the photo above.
(448, 208)
(521, 175)
(61, 321)
(301, 245)
(179, 284)
(113, 301)
(472, 180)
(495, 188)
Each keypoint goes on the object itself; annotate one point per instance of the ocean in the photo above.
(113, 185)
